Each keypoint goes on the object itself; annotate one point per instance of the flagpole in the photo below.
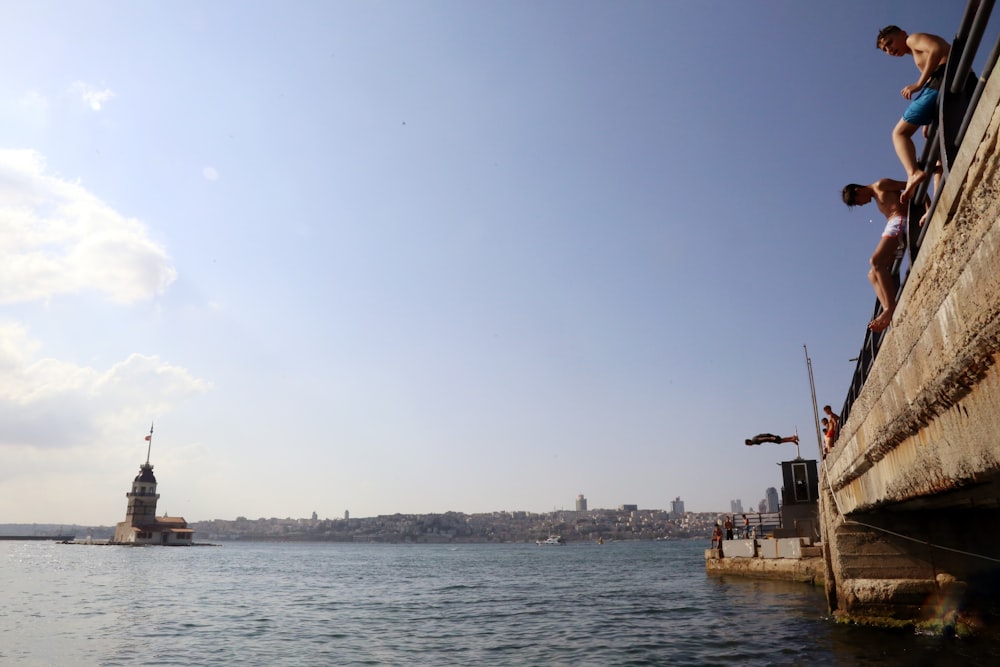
(149, 438)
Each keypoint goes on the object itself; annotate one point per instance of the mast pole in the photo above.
(149, 438)
(812, 389)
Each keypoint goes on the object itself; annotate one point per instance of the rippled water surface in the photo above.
(623, 603)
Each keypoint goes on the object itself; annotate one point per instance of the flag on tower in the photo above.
(149, 437)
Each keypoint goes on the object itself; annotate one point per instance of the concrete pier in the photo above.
(787, 559)
(910, 495)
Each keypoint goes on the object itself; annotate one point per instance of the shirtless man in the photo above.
(930, 54)
(770, 437)
(834, 419)
(717, 537)
(886, 193)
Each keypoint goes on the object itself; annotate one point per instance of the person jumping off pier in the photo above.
(770, 437)
(930, 55)
(885, 193)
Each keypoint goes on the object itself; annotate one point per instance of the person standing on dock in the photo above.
(729, 527)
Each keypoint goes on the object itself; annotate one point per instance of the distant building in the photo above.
(141, 525)
(347, 515)
(677, 508)
(772, 499)
(315, 516)
(581, 503)
(736, 506)
(629, 508)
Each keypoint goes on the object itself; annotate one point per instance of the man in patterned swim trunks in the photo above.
(886, 192)
(930, 54)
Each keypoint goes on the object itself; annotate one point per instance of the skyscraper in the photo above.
(677, 508)
(772, 499)
(736, 506)
(581, 503)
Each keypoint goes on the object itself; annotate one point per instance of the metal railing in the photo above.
(762, 525)
(957, 101)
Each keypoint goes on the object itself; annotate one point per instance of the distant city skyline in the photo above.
(433, 256)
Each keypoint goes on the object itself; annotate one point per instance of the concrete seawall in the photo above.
(785, 560)
(805, 570)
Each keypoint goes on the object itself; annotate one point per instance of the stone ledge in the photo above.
(804, 570)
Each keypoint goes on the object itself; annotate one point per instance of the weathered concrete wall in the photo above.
(805, 570)
(920, 453)
(928, 418)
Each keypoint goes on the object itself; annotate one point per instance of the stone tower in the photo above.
(141, 525)
(141, 509)
(142, 498)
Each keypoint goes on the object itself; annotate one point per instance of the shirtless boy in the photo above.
(770, 437)
(834, 419)
(930, 54)
(886, 193)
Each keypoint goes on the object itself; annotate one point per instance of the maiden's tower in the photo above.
(141, 525)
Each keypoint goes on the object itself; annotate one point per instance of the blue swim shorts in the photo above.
(923, 108)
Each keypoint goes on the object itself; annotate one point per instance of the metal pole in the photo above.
(812, 389)
(150, 439)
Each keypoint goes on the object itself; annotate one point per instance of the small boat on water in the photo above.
(551, 540)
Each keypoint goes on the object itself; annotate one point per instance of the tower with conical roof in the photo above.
(141, 525)
(142, 498)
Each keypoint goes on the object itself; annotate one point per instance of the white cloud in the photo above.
(47, 404)
(90, 95)
(58, 238)
(210, 173)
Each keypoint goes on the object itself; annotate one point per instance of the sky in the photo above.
(431, 256)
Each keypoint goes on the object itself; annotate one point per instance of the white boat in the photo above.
(552, 539)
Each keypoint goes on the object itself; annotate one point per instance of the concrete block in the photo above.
(738, 548)
(767, 548)
(790, 547)
(802, 529)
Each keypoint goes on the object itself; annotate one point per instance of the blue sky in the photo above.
(429, 256)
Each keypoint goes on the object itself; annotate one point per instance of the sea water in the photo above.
(246, 604)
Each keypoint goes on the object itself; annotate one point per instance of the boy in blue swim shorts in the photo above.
(930, 54)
